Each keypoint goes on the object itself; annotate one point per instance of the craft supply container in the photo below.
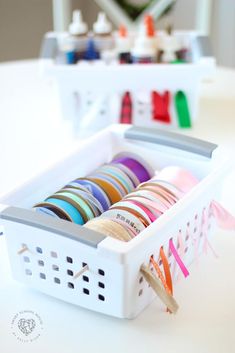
(111, 282)
(90, 94)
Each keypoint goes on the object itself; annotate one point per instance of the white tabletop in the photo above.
(30, 139)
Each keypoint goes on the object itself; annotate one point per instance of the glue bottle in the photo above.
(145, 49)
(169, 44)
(78, 31)
(102, 29)
(123, 46)
(67, 48)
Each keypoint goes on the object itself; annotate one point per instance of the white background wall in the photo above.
(223, 31)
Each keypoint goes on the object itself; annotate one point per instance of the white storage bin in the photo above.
(90, 93)
(115, 285)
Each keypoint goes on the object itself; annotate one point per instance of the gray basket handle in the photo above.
(57, 226)
(171, 139)
(204, 46)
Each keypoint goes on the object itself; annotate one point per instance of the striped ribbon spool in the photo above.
(86, 198)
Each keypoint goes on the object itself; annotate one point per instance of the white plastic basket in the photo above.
(55, 249)
(90, 94)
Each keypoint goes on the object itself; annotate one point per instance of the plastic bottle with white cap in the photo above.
(67, 49)
(78, 30)
(123, 46)
(74, 43)
(102, 29)
(169, 45)
(145, 50)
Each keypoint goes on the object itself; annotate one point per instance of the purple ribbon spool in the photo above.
(137, 168)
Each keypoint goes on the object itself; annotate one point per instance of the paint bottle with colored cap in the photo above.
(91, 52)
(145, 50)
(102, 29)
(78, 30)
(123, 46)
(67, 49)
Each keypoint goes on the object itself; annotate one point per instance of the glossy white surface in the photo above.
(206, 319)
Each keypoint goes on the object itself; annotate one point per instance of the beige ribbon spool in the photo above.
(108, 227)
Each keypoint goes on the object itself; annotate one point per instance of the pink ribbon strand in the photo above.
(178, 259)
(224, 219)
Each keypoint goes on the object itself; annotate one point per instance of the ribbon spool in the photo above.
(126, 218)
(86, 198)
(138, 209)
(137, 165)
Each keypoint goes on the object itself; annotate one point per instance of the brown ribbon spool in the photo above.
(110, 191)
(147, 184)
